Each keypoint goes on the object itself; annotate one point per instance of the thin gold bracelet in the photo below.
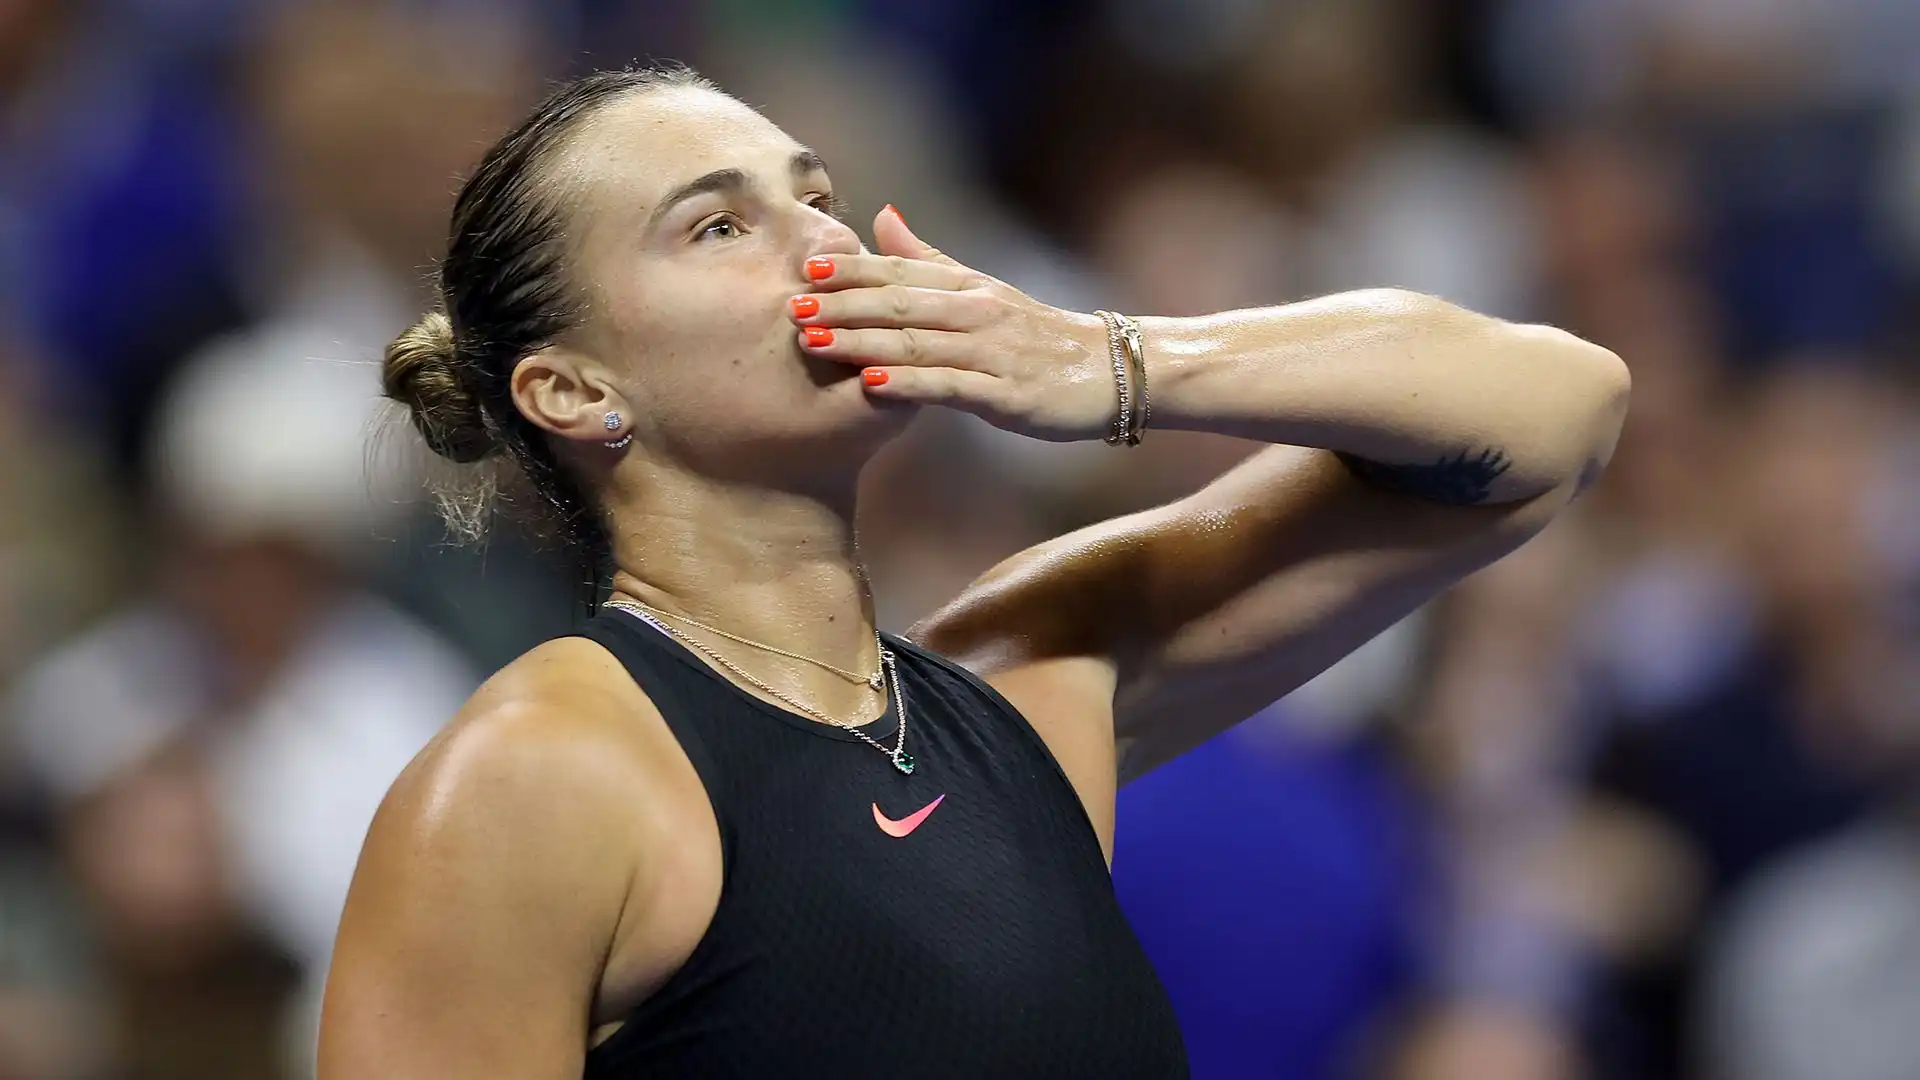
(1123, 426)
(1137, 364)
(1129, 377)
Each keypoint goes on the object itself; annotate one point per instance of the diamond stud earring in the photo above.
(613, 423)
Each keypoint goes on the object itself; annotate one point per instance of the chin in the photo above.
(861, 424)
(828, 422)
(832, 431)
(861, 417)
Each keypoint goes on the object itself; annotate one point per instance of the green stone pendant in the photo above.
(904, 762)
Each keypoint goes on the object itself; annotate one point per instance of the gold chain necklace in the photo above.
(901, 760)
(874, 680)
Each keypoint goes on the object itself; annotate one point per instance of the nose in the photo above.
(825, 234)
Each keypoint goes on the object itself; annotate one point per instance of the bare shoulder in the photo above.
(548, 741)
(497, 876)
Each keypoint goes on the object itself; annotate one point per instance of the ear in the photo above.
(568, 394)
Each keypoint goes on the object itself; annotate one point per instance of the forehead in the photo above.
(637, 149)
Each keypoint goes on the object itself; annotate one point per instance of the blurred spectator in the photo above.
(217, 748)
(1545, 881)
(57, 570)
(119, 190)
(1776, 747)
(1437, 210)
(50, 1020)
(1810, 975)
(1782, 114)
(1756, 729)
(190, 990)
(1274, 880)
(57, 566)
(368, 111)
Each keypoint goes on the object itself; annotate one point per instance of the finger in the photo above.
(969, 391)
(905, 347)
(893, 306)
(856, 271)
(894, 237)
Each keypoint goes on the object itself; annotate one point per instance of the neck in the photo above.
(776, 567)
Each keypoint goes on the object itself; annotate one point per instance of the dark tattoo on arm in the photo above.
(1463, 479)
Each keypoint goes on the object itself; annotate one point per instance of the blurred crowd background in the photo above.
(1639, 802)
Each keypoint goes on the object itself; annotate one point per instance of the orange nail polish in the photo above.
(895, 211)
(874, 376)
(819, 268)
(819, 336)
(805, 307)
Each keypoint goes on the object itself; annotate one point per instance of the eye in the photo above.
(723, 227)
(829, 204)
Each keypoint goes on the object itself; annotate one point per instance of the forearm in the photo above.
(1416, 393)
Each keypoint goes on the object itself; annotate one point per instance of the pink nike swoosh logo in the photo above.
(906, 824)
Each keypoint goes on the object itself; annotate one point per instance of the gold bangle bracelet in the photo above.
(1123, 424)
(1137, 364)
(1129, 378)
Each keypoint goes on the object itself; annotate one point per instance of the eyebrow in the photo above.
(806, 161)
(729, 180)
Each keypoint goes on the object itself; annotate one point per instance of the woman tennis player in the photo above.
(730, 830)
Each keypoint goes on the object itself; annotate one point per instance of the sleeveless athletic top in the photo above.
(955, 922)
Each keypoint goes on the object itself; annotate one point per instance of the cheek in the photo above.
(706, 349)
(704, 337)
(709, 311)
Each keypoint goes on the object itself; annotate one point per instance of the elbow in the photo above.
(1606, 411)
(1595, 389)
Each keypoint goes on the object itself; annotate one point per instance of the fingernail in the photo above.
(895, 211)
(874, 376)
(819, 336)
(805, 307)
(819, 268)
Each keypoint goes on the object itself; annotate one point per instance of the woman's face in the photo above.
(693, 217)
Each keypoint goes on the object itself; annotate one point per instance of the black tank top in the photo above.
(955, 922)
